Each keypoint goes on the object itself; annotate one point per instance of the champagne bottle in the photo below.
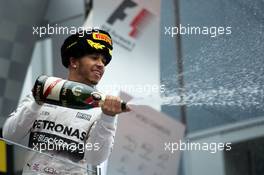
(70, 94)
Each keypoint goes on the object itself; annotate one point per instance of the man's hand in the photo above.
(38, 102)
(112, 106)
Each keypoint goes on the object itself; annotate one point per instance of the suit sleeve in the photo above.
(102, 134)
(18, 124)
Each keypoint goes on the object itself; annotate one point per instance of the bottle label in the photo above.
(53, 87)
(77, 90)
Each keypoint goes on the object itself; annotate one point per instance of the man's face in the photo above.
(91, 68)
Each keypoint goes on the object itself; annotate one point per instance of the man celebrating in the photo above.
(91, 132)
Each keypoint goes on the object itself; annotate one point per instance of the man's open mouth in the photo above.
(97, 72)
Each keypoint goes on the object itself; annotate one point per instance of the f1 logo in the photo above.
(119, 12)
(138, 21)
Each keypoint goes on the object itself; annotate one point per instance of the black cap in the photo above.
(87, 42)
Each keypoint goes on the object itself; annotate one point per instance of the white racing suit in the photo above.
(87, 136)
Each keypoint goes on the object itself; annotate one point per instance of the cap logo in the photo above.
(95, 45)
(110, 52)
(102, 37)
(71, 44)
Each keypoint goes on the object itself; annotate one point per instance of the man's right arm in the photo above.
(19, 122)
